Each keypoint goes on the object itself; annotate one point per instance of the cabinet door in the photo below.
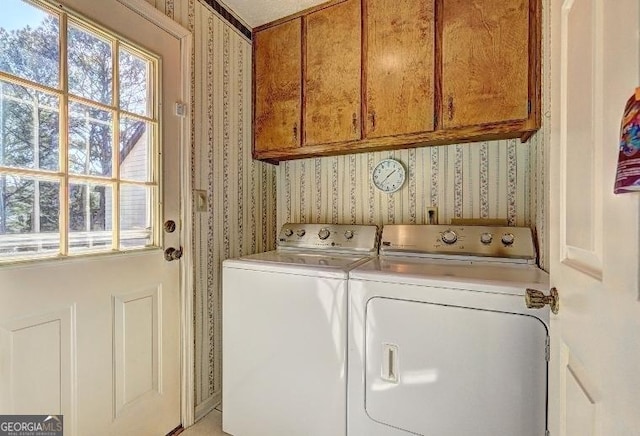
(485, 68)
(278, 64)
(399, 67)
(332, 74)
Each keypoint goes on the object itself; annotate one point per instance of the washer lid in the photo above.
(482, 276)
(299, 263)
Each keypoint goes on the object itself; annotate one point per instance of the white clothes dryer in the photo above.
(284, 331)
(441, 342)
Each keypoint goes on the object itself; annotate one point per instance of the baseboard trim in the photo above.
(208, 405)
(176, 431)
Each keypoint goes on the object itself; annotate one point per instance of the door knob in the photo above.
(172, 254)
(537, 300)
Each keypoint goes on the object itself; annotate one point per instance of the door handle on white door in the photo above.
(537, 300)
(171, 254)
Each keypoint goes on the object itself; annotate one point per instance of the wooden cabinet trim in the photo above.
(535, 65)
(505, 130)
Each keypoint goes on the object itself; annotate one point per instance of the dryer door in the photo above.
(451, 371)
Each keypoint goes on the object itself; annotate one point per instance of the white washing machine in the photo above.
(441, 342)
(284, 332)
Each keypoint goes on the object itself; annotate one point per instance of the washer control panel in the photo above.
(334, 237)
(446, 241)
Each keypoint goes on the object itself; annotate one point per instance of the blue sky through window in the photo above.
(17, 14)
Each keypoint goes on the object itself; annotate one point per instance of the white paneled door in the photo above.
(97, 338)
(594, 381)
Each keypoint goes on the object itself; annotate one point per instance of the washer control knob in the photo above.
(324, 233)
(288, 232)
(486, 238)
(449, 237)
(508, 239)
(301, 233)
(348, 234)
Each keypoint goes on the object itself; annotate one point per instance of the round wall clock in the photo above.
(388, 175)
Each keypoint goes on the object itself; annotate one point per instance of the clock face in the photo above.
(388, 176)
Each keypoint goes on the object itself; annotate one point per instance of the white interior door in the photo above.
(97, 338)
(594, 234)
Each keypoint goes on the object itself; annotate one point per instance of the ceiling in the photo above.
(257, 12)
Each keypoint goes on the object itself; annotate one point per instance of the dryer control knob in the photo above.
(508, 239)
(449, 237)
(348, 234)
(486, 238)
(301, 233)
(288, 232)
(324, 234)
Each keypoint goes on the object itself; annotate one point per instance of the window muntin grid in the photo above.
(90, 155)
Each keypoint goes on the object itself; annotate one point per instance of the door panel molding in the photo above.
(29, 371)
(580, 398)
(581, 177)
(137, 361)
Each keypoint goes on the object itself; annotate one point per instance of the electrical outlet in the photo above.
(432, 215)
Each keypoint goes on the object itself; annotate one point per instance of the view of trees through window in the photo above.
(77, 138)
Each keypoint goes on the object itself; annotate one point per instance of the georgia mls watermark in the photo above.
(31, 425)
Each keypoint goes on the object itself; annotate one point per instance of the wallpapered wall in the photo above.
(241, 213)
(497, 179)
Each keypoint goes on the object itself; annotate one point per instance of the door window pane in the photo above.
(90, 140)
(29, 216)
(109, 120)
(29, 128)
(135, 83)
(135, 143)
(90, 65)
(29, 43)
(90, 217)
(135, 216)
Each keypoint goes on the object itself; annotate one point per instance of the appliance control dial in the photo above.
(288, 232)
(348, 234)
(323, 233)
(486, 238)
(508, 239)
(449, 237)
(301, 233)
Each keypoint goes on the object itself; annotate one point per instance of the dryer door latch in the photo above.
(389, 371)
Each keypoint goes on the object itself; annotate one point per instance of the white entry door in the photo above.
(595, 238)
(93, 334)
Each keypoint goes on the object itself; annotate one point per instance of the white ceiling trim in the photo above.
(258, 12)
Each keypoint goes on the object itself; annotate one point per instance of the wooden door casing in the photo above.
(278, 93)
(485, 76)
(399, 43)
(332, 74)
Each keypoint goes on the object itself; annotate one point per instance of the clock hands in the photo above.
(389, 175)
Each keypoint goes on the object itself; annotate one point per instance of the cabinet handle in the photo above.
(295, 132)
(452, 108)
(372, 119)
(354, 120)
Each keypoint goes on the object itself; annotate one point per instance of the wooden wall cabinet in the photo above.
(399, 67)
(376, 75)
(277, 96)
(485, 72)
(331, 84)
